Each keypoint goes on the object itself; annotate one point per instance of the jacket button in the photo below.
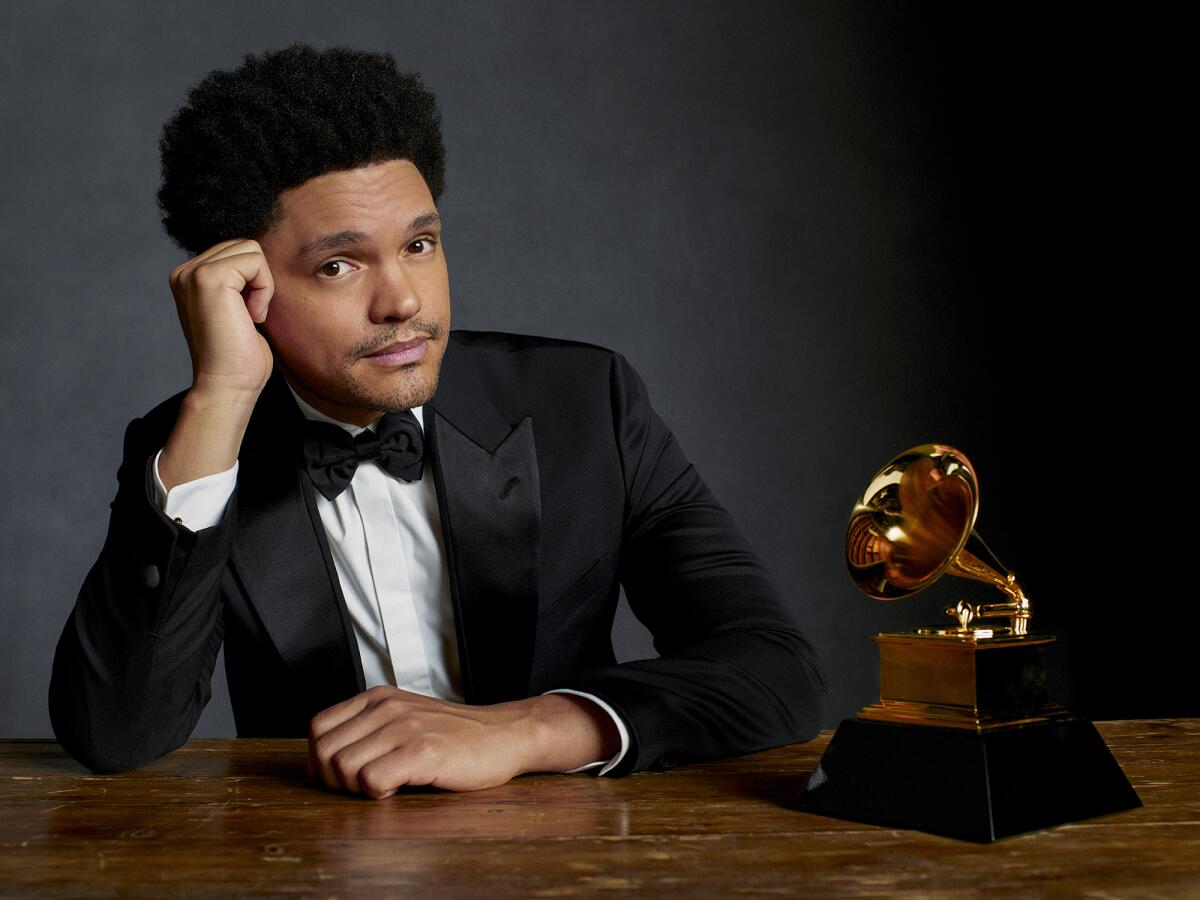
(150, 576)
(666, 763)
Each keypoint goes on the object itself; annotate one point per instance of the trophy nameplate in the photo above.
(964, 741)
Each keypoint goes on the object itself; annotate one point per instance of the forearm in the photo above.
(207, 435)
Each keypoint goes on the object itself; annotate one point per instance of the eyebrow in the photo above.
(332, 242)
(424, 221)
(342, 239)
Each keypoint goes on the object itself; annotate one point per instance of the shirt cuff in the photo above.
(621, 730)
(196, 504)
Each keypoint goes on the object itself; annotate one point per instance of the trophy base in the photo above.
(965, 784)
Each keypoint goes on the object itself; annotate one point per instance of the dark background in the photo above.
(822, 232)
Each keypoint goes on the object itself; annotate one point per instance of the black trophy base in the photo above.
(968, 785)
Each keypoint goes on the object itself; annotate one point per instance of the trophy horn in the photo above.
(914, 523)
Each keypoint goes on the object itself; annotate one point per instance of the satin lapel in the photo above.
(490, 499)
(282, 558)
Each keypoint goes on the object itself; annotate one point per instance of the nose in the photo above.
(397, 294)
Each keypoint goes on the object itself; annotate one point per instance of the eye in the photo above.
(422, 246)
(335, 268)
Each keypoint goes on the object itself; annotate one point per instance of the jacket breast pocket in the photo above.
(581, 604)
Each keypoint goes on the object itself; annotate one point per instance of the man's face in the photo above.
(361, 310)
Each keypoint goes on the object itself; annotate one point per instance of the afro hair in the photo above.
(246, 135)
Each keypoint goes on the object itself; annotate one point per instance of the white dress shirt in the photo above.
(399, 602)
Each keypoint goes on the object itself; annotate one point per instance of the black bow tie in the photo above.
(331, 456)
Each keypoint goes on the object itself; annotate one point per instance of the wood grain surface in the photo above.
(231, 817)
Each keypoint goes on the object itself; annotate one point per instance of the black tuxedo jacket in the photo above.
(556, 483)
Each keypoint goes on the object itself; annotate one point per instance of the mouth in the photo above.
(400, 353)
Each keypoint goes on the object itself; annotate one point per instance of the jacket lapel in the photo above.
(282, 557)
(486, 475)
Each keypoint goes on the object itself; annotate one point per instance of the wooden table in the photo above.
(240, 817)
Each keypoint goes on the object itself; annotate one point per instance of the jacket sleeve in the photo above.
(735, 674)
(132, 668)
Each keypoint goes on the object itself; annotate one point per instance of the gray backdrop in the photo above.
(823, 233)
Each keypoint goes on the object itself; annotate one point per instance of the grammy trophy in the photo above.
(964, 741)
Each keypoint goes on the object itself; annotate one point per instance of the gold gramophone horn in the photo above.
(916, 522)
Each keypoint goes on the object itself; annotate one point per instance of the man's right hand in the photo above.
(220, 296)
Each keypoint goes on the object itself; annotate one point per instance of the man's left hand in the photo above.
(386, 738)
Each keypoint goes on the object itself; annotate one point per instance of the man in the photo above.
(381, 519)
